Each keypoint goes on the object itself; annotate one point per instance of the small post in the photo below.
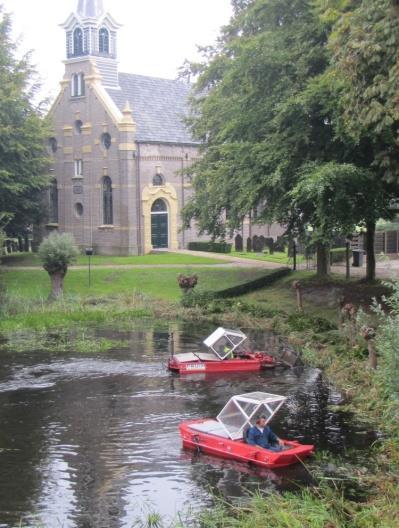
(171, 344)
(89, 253)
(298, 287)
(347, 260)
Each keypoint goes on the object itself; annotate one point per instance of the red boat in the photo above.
(224, 437)
(224, 355)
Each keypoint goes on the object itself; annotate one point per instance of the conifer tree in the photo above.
(23, 133)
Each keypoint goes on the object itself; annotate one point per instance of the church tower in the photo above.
(91, 32)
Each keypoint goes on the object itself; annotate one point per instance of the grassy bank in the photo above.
(32, 260)
(113, 294)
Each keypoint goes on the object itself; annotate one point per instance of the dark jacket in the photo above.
(266, 439)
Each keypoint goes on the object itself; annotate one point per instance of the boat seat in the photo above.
(210, 427)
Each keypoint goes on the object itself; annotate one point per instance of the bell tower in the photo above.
(91, 32)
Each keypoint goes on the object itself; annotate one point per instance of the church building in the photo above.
(119, 147)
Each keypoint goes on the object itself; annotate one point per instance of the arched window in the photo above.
(78, 42)
(108, 215)
(106, 140)
(159, 206)
(53, 205)
(78, 85)
(103, 38)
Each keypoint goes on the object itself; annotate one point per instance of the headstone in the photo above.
(249, 244)
(270, 245)
(255, 244)
(239, 243)
(279, 245)
(262, 242)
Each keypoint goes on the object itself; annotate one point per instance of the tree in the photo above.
(336, 198)
(57, 251)
(268, 106)
(23, 135)
(365, 44)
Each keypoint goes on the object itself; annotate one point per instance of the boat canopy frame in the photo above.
(224, 342)
(241, 411)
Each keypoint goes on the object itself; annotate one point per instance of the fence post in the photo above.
(347, 261)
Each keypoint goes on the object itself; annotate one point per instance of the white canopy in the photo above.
(223, 342)
(241, 411)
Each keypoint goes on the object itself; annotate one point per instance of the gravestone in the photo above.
(270, 245)
(249, 244)
(255, 244)
(262, 242)
(280, 244)
(239, 243)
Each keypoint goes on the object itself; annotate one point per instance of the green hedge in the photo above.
(211, 247)
(339, 255)
(257, 284)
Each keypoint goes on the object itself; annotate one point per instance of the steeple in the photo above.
(91, 32)
(90, 8)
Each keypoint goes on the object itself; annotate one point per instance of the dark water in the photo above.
(92, 440)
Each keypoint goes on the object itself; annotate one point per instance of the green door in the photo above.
(159, 225)
(159, 231)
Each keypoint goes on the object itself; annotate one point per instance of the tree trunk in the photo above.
(323, 260)
(57, 285)
(370, 269)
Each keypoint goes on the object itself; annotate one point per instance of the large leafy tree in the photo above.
(23, 133)
(365, 45)
(269, 110)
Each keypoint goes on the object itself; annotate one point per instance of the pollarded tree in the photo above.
(57, 252)
(23, 133)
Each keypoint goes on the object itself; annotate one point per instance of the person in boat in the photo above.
(261, 435)
(225, 351)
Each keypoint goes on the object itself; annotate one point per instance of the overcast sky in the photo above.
(157, 36)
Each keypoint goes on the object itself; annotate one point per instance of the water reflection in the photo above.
(92, 441)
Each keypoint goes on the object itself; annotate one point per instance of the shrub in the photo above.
(194, 299)
(300, 322)
(212, 247)
(56, 252)
(388, 342)
(254, 285)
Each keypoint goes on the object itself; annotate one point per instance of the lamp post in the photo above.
(89, 252)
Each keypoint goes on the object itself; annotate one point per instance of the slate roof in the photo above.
(159, 107)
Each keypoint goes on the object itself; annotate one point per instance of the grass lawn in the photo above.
(30, 259)
(159, 283)
(279, 257)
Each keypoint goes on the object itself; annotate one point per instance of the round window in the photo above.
(78, 126)
(106, 140)
(53, 144)
(78, 210)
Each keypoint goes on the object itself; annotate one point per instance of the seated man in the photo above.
(262, 436)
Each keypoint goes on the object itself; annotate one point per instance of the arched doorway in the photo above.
(159, 225)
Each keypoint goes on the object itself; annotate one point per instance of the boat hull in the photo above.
(254, 362)
(215, 445)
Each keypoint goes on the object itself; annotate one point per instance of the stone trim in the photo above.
(168, 193)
